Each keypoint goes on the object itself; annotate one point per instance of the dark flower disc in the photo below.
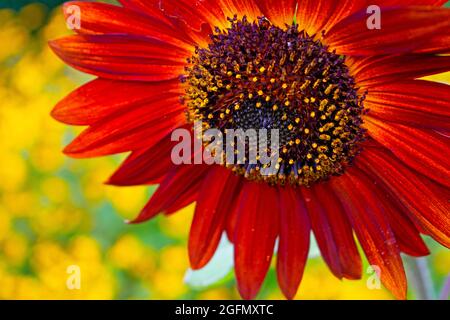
(259, 76)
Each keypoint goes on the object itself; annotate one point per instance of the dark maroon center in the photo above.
(260, 76)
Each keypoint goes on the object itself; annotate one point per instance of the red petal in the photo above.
(248, 8)
(178, 189)
(279, 12)
(132, 130)
(421, 150)
(412, 2)
(293, 245)
(122, 57)
(317, 16)
(407, 236)
(101, 18)
(425, 202)
(213, 205)
(230, 227)
(148, 7)
(334, 215)
(196, 14)
(333, 231)
(185, 27)
(216, 12)
(375, 71)
(256, 231)
(145, 167)
(372, 229)
(416, 103)
(404, 29)
(439, 43)
(102, 98)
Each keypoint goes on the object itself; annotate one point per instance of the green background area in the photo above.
(19, 3)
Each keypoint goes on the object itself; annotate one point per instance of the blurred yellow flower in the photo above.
(16, 34)
(442, 262)
(319, 283)
(14, 248)
(131, 254)
(128, 201)
(13, 172)
(177, 225)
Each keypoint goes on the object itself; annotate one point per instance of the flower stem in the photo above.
(420, 277)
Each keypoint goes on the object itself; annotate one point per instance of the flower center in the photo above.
(259, 76)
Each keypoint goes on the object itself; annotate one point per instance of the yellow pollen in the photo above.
(328, 89)
(323, 104)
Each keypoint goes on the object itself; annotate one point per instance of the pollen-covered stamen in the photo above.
(259, 76)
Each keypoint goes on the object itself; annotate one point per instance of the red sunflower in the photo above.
(364, 142)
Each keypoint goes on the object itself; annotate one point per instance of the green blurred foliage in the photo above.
(17, 4)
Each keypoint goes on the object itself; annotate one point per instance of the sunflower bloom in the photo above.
(363, 142)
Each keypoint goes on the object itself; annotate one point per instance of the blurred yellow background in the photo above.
(56, 212)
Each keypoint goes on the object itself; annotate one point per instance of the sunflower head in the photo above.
(313, 81)
(255, 75)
